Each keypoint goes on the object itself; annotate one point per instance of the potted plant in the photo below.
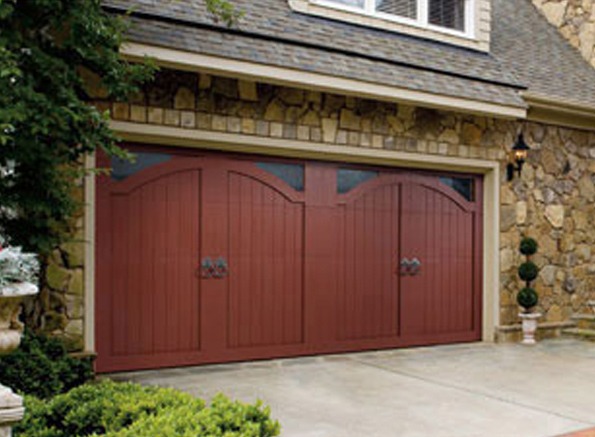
(527, 297)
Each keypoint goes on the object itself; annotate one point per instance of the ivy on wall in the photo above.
(50, 51)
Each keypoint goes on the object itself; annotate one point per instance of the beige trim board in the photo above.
(169, 136)
(477, 37)
(231, 142)
(173, 136)
(326, 83)
(559, 112)
(89, 268)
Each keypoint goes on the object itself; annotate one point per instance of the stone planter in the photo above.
(10, 307)
(529, 325)
(11, 405)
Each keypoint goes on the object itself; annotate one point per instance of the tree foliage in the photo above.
(49, 50)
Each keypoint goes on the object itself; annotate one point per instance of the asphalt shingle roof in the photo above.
(271, 33)
(538, 54)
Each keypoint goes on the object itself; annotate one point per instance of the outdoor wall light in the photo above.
(518, 156)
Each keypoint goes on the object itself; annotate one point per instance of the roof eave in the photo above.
(247, 70)
(560, 112)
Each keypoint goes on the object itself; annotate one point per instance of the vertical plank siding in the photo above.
(155, 242)
(265, 243)
(309, 271)
(367, 291)
(439, 233)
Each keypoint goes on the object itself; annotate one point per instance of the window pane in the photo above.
(121, 168)
(291, 174)
(348, 179)
(402, 8)
(448, 13)
(463, 186)
(352, 3)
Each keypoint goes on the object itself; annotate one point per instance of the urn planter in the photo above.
(529, 325)
(11, 328)
(11, 405)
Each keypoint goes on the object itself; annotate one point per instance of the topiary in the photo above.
(528, 246)
(42, 367)
(527, 298)
(528, 271)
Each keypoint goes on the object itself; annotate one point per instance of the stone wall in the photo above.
(59, 308)
(553, 201)
(576, 21)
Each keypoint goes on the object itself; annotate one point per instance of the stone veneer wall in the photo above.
(59, 308)
(553, 201)
(576, 21)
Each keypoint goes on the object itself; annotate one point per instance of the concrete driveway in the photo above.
(447, 391)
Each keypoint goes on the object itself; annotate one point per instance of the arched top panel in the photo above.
(252, 171)
(430, 182)
(169, 167)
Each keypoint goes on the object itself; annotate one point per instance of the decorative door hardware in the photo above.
(404, 267)
(220, 268)
(414, 267)
(217, 269)
(409, 267)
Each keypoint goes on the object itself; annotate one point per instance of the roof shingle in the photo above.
(526, 51)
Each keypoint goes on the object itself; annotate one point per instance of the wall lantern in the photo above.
(518, 156)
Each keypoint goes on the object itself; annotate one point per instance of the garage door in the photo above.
(211, 258)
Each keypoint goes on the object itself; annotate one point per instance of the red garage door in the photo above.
(213, 258)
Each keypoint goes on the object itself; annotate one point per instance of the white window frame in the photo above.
(421, 21)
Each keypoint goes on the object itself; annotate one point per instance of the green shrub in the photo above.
(126, 410)
(527, 298)
(42, 367)
(528, 246)
(528, 271)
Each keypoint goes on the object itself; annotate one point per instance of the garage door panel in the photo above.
(439, 233)
(266, 258)
(367, 292)
(313, 253)
(154, 292)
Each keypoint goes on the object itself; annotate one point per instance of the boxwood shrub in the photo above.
(527, 298)
(528, 246)
(528, 271)
(42, 367)
(124, 410)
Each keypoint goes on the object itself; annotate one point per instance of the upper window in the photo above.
(449, 15)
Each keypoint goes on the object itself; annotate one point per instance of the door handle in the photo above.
(404, 267)
(220, 268)
(414, 267)
(206, 268)
(213, 269)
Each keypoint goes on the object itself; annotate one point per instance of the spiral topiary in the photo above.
(528, 271)
(527, 298)
(528, 246)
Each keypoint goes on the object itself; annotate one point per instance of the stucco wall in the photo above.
(553, 201)
(576, 21)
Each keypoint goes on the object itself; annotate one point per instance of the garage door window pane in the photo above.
(291, 174)
(121, 168)
(348, 179)
(463, 186)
